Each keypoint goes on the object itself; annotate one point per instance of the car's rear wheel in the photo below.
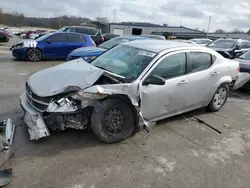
(219, 98)
(113, 120)
(34, 54)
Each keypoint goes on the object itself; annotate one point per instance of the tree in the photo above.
(1, 16)
(248, 32)
(236, 30)
(219, 31)
(103, 20)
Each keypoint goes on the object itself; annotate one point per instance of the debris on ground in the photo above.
(5, 176)
(227, 126)
(7, 130)
(196, 119)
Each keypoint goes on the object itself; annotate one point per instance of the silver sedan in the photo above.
(140, 81)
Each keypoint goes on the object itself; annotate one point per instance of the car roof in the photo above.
(81, 27)
(132, 37)
(156, 45)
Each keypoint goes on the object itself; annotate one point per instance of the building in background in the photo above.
(138, 28)
(180, 32)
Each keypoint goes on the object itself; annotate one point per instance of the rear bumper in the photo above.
(241, 80)
(34, 120)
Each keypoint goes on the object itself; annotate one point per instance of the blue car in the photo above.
(90, 53)
(56, 45)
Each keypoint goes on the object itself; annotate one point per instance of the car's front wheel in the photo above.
(34, 54)
(113, 120)
(219, 98)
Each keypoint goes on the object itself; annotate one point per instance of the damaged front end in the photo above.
(57, 115)
(66, 96)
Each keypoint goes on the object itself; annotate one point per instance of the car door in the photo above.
(74, 40)
(161, 101)
(54, 46)
(202, 75)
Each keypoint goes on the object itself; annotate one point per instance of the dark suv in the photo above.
(96, 34)
(230, 48)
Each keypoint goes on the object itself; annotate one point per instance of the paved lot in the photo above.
(178, 152)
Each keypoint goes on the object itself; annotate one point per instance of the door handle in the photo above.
(183, 82)
(215, 73)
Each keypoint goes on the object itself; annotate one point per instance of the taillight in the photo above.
(238, 68)
(102, 38)
(94, 44)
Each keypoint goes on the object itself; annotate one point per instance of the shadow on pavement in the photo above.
(52, 145)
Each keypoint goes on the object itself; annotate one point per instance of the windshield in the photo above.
(245, 56)
(222, 43)
(113, 42)
(62, 29)
(125, 61)
(43, 37)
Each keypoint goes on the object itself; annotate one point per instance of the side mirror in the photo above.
(154, 80)
(49, 41)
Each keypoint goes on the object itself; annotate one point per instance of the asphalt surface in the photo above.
(179, 152)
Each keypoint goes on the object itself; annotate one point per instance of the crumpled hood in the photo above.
(87, 51)
(77, 74)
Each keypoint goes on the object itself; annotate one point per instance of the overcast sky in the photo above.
(226, 14)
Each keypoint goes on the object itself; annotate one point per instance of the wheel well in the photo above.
(126, 99)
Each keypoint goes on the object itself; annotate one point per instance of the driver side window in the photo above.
(171, 66)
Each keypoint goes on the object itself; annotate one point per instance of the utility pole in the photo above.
(181, 22)
(114, 15)
(209, 22)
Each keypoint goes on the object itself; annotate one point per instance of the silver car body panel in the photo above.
(152, 102)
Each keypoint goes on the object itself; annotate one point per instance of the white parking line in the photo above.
(4, 47)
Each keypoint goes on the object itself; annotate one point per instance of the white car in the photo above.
(146, 80)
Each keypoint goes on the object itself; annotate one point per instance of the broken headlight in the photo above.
(86, 95)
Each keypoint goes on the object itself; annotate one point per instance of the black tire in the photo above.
(113, 120)
(212, 107)
(37, 54)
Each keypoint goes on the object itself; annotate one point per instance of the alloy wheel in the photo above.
(219, 98)
(34, 54)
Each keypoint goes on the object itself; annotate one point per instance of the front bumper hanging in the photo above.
(36, 125)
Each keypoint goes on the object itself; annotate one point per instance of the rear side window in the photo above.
(61, 37)
(199, 61)
(88, 31)
(75, 38)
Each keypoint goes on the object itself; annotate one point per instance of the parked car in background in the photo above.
(201, 41)
(7, 32)
(4, 36)
(185, 41)
(37, 35)
(96, 34)
(243, 79)
(147, 80)
(56, 45)
(230, 48)
(108, 36)
(90, 53)
(152, 36)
